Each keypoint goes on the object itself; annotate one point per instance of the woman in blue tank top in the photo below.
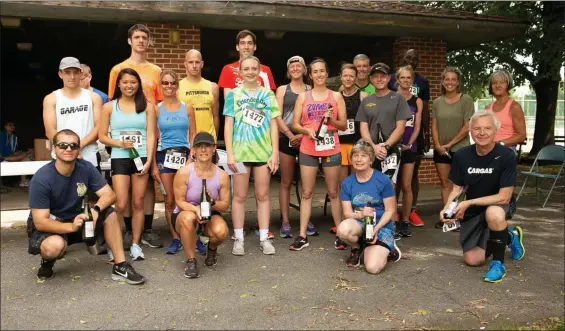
(132, 120)
(176, 125)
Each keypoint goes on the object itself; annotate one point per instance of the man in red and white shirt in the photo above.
(246, 46)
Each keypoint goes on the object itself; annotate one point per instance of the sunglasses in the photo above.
(64, 146)
(165, 83)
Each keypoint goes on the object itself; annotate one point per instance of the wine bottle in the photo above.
(88, 225)
(450, 211)
(205, 212)
(369, 225)
(134, 155)
(322, 129)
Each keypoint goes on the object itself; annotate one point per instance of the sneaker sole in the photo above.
(417, 224)
(139, 258)
(150, 245)
(314, 234)
(494, 281)
(192, 276)
(298, 249)
(285, 236)
(119, 278)
(45, 278)
(520, 236)
(399, 253)
(268, 253)
(210, 265)
(358, 262)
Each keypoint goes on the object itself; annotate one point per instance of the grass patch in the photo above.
(551, 323)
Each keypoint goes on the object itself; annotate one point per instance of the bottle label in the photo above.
(135, 137)
(174, 160)
(323, 131)
(138, 163)
(325, 144)
(350, 128)
(451, 209)
(205, 210)
(369, 231)
(89, 229)
(253, 117)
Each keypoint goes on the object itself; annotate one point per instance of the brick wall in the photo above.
(433, 59)
(168, 56)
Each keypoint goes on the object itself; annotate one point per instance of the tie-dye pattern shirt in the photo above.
(251, 143)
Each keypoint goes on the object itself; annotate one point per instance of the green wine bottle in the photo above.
(134, 155)
(88, 225)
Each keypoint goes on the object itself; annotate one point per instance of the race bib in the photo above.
(391, 162)
(414, 89)
(350, 128)
(253, 116)
(134, 136)
(326, 144)
(451, 226)
(410, 122)
(174, 160)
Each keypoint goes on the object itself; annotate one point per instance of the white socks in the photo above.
(238, 234)
(263, 234)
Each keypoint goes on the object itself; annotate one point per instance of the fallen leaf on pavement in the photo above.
(276, 285)
(109, 316)
(480, 307)
(204, 300)
(421, 312)
(448, 310)
(82, 322)
(123, 283)
(243, 295)
(40, 281)
(253, 281)
(75, 278)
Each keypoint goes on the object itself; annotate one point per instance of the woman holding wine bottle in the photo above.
(132, 120)
(202, 191)
(368, 193)
(318, 115)
(252, 138)
(177, 125)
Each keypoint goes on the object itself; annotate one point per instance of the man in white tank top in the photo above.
(74, 108)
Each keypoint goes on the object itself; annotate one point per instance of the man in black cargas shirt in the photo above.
(488, 172)
(56, 219)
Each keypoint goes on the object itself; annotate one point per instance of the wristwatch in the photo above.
(387, 147)
(97, 209)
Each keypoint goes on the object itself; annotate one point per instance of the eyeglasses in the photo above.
(165, 83)
(64, 146)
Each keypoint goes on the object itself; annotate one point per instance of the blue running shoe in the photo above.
(200, 248)
(286, 231)
(496, 272)
(311, 230)
(175, 247)
(516, 246)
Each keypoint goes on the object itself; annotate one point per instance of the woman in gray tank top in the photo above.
(288, 141)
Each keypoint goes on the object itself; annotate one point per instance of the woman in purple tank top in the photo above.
(186, 218)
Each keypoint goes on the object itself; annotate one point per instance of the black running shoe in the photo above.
(339, 244)
(439, 225)
(299, 243)
(45, 270)
(395, 254)
(354, 259)
(405, 230)
(124, 272)
(211, 256)
(396, 226)
(191, 270)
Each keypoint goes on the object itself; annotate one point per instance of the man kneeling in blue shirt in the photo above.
(55, 195)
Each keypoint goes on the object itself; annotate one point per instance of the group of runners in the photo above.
(368, 138)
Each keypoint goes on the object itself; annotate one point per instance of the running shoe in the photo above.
(339, 244)
(45, 270)
(191, 270)
(439, 225)
(136, 253)
(211, 256)
(311, 230)
(238, 248)
(396, 226)
(151, 239)
(285, 231)
(267, 247)
(405, 230)
(395, 254)
(516, 245)
(175, 246)
(124, 272)
(415, 218)
(333, 230)
(354, 259)
(299, 243)
(496, 272)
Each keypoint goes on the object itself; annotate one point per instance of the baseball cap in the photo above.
(380, 67)
(203, 138)
(69, 62)
(294, 59)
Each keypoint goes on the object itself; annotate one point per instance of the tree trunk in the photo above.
(546, 106)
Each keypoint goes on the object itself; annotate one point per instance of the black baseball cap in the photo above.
(203, 138)
(380, 67)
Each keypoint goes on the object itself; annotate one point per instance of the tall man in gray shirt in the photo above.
(389, 110)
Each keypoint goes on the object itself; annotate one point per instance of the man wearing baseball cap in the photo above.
(73, 108)
(190, 213)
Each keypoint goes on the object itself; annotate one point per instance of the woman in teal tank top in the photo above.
(133, 124)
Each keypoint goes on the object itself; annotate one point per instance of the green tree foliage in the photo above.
(536, 56)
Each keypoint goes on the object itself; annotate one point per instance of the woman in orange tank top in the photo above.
(509, 112)
(312, 108)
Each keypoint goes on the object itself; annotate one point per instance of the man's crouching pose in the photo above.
(487, 173)
(55, 195)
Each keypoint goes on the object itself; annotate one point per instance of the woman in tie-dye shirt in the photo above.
(251, 137)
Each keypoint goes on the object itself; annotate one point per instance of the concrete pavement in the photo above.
(311, 289)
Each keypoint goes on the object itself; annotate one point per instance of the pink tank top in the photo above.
(194, 187)
(312, 113)
(506, 124)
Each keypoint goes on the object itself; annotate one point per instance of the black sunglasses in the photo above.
(166, 83)
(64, 146)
